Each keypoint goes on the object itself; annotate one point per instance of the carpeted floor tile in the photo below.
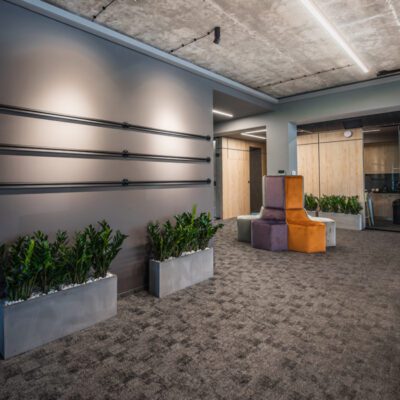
(284, 326)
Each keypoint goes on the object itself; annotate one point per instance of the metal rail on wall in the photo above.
(35, 187)
(29, 112)
(41, 187)
(26, 150)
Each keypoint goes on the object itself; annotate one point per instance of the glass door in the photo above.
(382, 170)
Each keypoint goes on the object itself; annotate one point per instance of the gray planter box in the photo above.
(169, 276)
(32, 323)
(343, 221)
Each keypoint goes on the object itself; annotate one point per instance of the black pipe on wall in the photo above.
(35, 187)
(25, 150)
(33, 113)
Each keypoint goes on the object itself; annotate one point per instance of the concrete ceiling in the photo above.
(275, 46)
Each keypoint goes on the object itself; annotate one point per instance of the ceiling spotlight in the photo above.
(225, 114)
(254, 136)
(317, 14)
(217, 34)
(217, 37)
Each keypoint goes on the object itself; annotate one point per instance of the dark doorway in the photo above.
(255, 179)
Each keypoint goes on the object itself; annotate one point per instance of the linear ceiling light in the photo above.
(312, 8)
(371, 130)
(225, 114)
(257, 131)
(254, 136)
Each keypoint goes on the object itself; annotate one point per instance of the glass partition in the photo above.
(382, 171)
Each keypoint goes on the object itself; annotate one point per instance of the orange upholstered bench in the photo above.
(304, 235)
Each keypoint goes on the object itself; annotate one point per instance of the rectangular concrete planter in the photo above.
(343, 221)
(166, 277)
(32, 323)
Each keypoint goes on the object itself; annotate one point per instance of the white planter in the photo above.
(166, 277)
(343, 221)
(32, 323)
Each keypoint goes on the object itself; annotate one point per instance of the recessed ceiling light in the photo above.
(254, 136)
(313, 9)
(225, 114)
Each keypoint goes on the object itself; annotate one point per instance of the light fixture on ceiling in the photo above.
(223, 113)
(253, 136)
(257, 131)
(371, 130)
(304, 131)
(217, 35)
(313, 9)
(217, 38)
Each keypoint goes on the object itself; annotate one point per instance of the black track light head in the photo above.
(217, 38)
(217, 34)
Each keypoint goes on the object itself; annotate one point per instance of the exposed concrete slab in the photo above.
(263, 43)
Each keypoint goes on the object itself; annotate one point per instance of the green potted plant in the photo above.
(180, 256)
(344, 210)
(104, 247)
(54, 288)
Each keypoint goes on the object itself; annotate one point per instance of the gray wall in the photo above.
(379, 97)
(49, 66)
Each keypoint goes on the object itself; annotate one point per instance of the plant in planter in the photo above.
(324, 203)
(42, 271)
(345, 210)
(78, 259)
(104, 247)
(353, 206)
(180, 257)
(333, 203)
(190, 233)
(18, 269)
(33, 263)
(206, 229)
(310, 202)
(48, 275)
(186, 232)
(60, 253)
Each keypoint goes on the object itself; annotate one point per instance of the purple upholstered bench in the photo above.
(269, 235)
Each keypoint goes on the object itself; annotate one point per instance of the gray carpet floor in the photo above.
(268, 326)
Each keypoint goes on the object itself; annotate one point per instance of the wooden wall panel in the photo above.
(309, 138)
(341, 168)
(337, 136)
(307, 165)
(235, 161)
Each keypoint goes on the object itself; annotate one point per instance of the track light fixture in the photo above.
(217, 38)
(217, 34)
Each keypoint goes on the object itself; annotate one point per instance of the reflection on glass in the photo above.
(382, 176)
